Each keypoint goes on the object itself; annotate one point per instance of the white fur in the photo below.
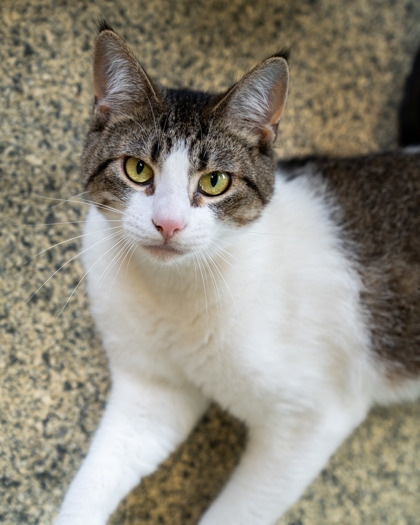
(171, 200)
(271, 328)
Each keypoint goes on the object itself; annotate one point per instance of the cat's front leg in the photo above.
(281, 459)
(143, 422)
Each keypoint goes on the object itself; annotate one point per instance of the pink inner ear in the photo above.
(256, 102)
(277, 104)
(269, 131)
(100, 66)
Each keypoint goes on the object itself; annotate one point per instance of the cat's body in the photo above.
(291, 300)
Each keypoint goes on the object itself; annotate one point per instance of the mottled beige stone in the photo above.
(349, 62)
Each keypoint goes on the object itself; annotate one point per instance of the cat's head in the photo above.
(185, 168)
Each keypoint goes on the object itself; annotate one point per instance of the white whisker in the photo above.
(86, 273)
(72, 259)
(69, 240)
(213, 279)
(68, 222)
(114, 258)
(133, 250)
(72, 200)
(222, 253)
(122, 254)
(196, 258)
(61, 201)
(214, 263)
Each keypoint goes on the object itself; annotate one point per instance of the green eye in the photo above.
(214, 183)
(137, 170)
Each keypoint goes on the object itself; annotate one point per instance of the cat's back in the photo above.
(375, 199)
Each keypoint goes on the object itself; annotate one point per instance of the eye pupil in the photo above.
(214, 178)
(138, 171)
(139, 167)
(214, 183)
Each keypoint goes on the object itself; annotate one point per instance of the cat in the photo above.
(287, 292)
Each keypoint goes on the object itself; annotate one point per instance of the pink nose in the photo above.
(168, 227)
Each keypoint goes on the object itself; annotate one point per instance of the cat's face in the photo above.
(182, 169)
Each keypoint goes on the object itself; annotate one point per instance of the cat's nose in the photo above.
(168, 227)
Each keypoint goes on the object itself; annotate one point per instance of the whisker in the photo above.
(69, 240)
(163, 132)
(67, 222)
(196, 254)
(226, 284)
(69, 261)
(221, 253)
(213, 279)
(84, 276)
(133, 250)
(55, 199)
(99, 205)
(72, 200)
(122, 253)
(208, 133)
(137, 123)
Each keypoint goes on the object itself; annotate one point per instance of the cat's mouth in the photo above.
(164, 252)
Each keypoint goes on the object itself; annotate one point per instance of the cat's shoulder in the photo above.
(375, 201)
(380, 187)
(382, 167)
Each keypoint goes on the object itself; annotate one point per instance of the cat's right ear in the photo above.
(120, 82)
(256, 102)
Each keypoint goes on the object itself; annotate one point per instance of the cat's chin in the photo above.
(164, 253)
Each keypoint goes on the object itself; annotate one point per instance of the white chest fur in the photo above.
(277, 312)
(271, 329)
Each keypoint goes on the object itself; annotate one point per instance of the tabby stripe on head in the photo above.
(203, 160)
(102, 167)
(154, 153)
(253, 186)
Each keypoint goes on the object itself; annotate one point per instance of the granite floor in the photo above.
(349, 62)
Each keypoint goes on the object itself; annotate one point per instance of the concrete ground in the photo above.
(349, 62)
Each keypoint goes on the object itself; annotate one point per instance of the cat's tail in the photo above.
(409, 114)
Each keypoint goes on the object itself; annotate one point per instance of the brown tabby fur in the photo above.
(376, 198)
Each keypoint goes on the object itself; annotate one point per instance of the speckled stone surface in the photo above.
(349, 62)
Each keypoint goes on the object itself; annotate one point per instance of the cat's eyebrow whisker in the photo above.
(161, 135)
(153, 113)
(69, 261)
(208, 132)
(137, 123)
(69, 240)
(201, 132)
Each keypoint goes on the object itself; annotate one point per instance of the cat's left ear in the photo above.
(120, 81)
(256, 102)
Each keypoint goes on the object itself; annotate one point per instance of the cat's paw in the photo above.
(75, 519)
